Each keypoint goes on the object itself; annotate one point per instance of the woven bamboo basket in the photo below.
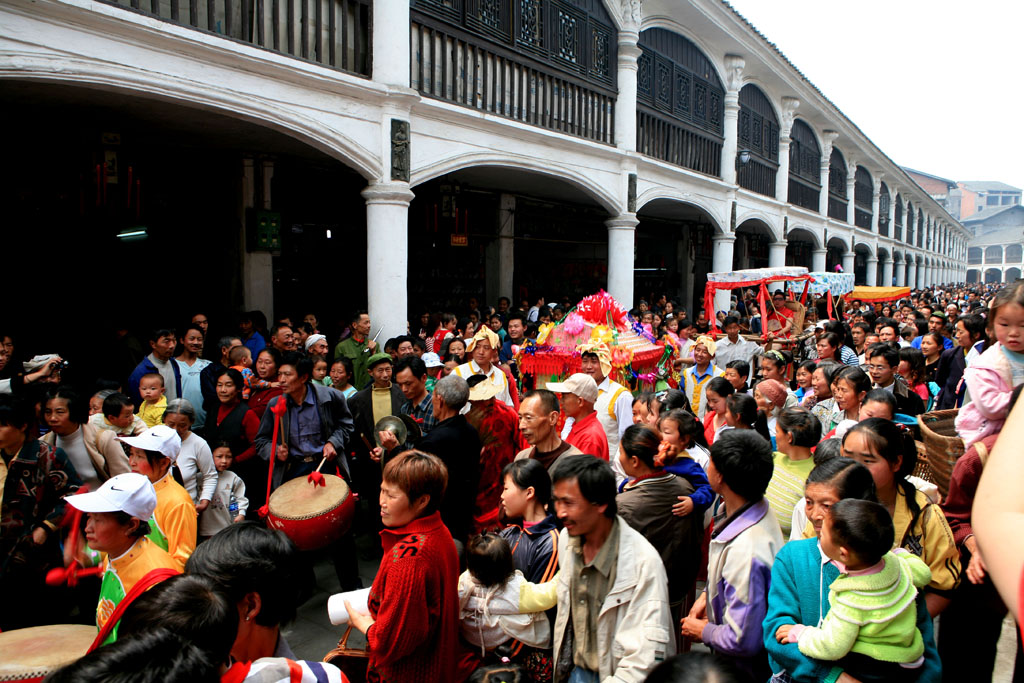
(942, 445)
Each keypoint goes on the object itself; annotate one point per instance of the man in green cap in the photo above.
(369, 405)
(358, 348)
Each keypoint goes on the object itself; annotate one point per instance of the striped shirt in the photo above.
(786, 489)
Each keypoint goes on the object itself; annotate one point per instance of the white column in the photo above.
(387, 255)
(912, 280)
(851, 192)
(876, 201)
(391, 44)
(901, 273)
(625, 103)
(731, 111)
(887, 271)
(777, 254)
(819, 260)
(892, 212)
(827, 138)
(621, 238)
(849, 259)
(506, 246)
(721, 261)
(789, 105)
(257, 266)
(871, 277)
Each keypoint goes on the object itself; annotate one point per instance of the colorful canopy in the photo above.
(873, 294)
(754, 276)
(837, 284)
(597, 317)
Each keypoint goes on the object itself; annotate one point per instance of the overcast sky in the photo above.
(936, 84)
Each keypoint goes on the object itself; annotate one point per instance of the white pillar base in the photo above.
(819, 260)
(621, 245)
(387, 256)
(777, 254)
(871, 276)
(721, 261)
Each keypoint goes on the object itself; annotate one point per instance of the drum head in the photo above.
(34, 652)
(299, 499)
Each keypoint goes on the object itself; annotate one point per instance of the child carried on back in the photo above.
(489, 599)
(871, 628)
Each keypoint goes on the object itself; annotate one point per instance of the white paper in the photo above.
(336, 605)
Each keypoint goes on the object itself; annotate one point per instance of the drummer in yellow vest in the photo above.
(614, 404)
(117, 528)
(483, 348)
(174, 523)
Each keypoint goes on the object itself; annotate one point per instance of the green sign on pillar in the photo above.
(268, 230)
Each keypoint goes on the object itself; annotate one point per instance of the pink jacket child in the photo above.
(990, 381)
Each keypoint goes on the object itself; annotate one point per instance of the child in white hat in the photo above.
(174, 522)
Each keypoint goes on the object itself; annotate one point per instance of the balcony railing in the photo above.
(758, 175)
(333, 33)
(458, 67)
(836, 208)
(861, 218)
(669, 140)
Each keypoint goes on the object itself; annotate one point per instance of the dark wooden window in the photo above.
(679, 103)
(921, 228)
(897, 229)
(837, 186)
(883, 211)
(804, 167)
(548, 63)
(1013, 253)
(332, 33)
(994, 254)
(862, 195)
(758, 134)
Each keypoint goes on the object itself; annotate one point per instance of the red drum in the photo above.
(29, 654)
(312, 516)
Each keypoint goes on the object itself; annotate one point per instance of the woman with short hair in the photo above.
(265, 365)
(195, 460)
(413, 626)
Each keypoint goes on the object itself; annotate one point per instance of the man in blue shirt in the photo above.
(936, 323)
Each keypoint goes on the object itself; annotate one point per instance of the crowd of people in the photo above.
(762, 499)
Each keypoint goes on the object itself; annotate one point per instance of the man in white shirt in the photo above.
(534, 313)
(483, 351)
(734, 347)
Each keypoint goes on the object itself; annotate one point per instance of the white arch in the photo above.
(670, 24)
(761, 216)
(844, 240)
(815, 236)
(671, 193)
(91, 73)
(605, 197)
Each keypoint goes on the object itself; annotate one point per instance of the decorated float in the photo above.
(831, 285)
(759, 279)
(637, 358)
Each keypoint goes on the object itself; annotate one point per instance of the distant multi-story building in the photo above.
(980, 197)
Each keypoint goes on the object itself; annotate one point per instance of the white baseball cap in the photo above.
(580, 384)
(432, 360)
(161, 439)
(130, 493)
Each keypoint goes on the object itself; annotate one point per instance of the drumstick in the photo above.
(321, 464)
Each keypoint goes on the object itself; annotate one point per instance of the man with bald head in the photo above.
(538, 421)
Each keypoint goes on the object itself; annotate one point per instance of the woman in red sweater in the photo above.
(413, 625)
